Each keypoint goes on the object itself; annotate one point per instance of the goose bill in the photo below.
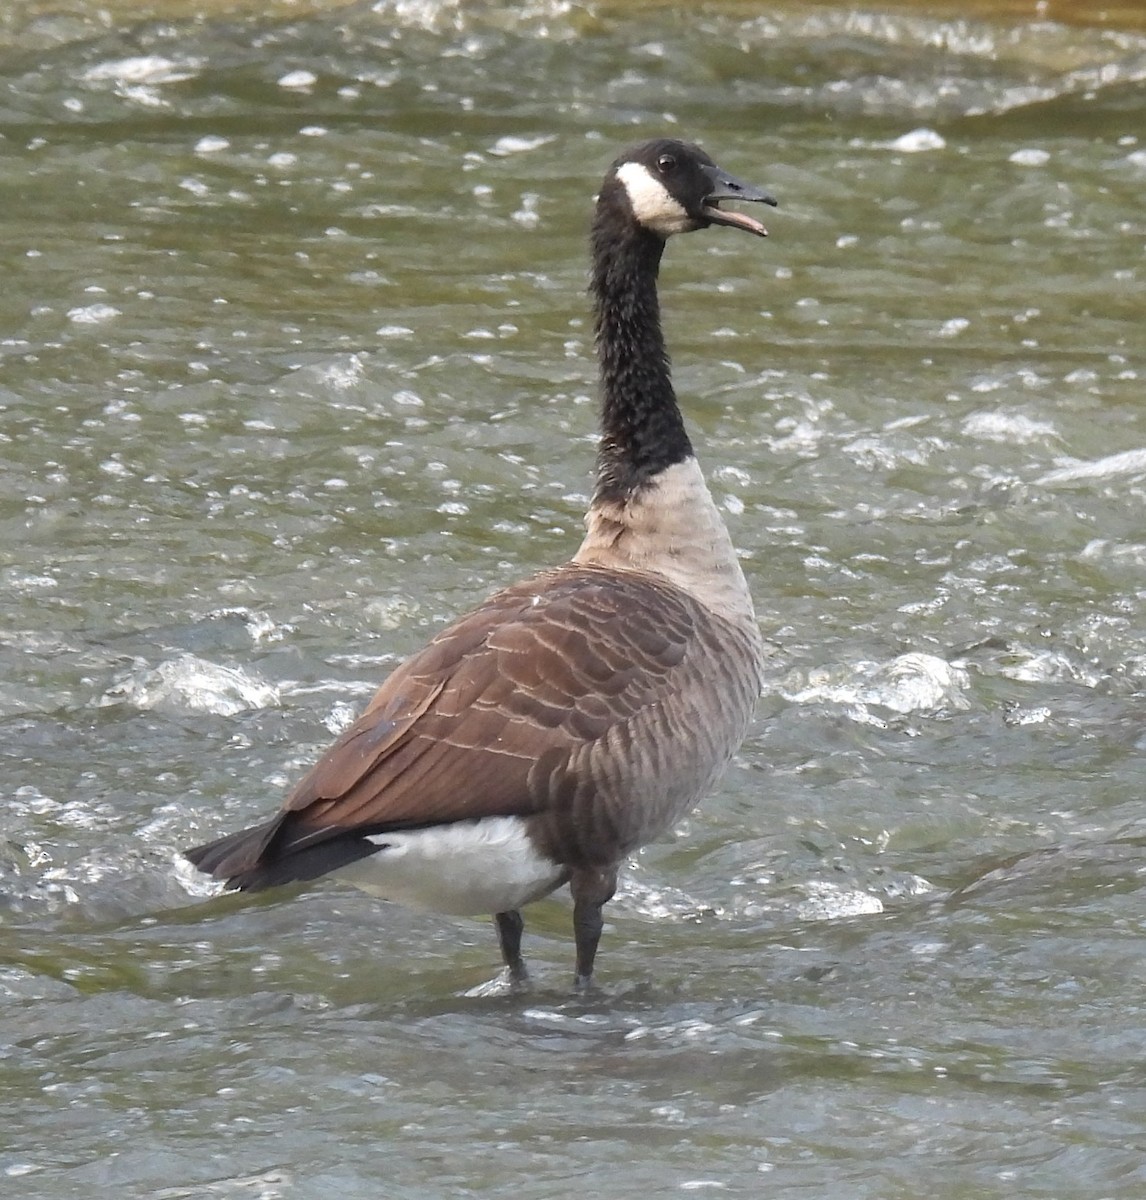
(738, 220)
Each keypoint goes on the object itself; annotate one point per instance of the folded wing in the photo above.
(522, 708)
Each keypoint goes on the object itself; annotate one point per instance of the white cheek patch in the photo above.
(652, 205)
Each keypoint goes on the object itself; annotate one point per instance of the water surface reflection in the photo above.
(296, 365)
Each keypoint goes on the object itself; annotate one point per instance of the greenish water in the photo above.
(296, 366)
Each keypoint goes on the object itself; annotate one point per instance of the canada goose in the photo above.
(574, 716)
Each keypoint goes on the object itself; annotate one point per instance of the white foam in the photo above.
(826, 901)
(511, 144)
(917, 141)
(299, 81)
(913, 682)
(1002, 426)
(142, 69)
(1128, 462)
(191, 684)
(93, 314)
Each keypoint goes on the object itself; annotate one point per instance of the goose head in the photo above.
(669, 186)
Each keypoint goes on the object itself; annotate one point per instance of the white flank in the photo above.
(468, 868)
(652, 204)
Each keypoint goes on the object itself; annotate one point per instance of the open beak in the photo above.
(728, 187)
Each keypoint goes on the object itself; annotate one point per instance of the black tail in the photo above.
(236, 854)
(258, 858)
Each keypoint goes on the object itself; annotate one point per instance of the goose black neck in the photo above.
(642, 431)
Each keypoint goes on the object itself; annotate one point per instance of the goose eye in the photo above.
(666, 163)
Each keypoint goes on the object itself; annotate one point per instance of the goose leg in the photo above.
(509, 926)
(592, 890)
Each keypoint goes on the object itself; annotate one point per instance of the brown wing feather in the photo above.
(494, 715)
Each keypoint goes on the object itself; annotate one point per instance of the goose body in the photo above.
(578, 714)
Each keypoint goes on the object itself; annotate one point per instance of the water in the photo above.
(296, 366)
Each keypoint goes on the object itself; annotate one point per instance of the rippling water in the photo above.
(296, 366)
